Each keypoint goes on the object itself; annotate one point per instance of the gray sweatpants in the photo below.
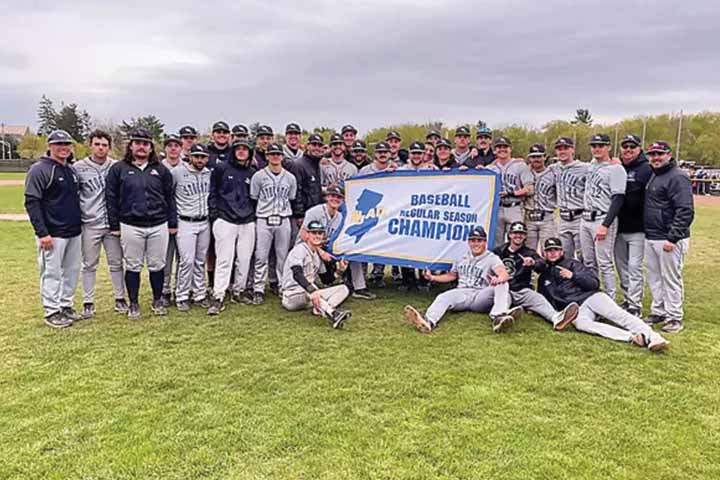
(193, 240)
(93, 239)
(265, 237)
(59, 272)
(144, 243)
(601, 305)
(506, 216)
(629, 256)
(540, 231)
(469, 299)
(232, 241)
(332, 297)
(665, 277)
(570, 237)
(598, 255)
(172, 257)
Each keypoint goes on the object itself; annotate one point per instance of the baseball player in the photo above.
(192, 186)
(483, 153)
(232, 215)
(53, 205)
(433, 137)
(307, 174)
(398, 155)
(669, 212)
(273, 188)
(480, 276)
(604, 197)
(263, 136)
(570, 178)
(520, 262)
(188, 136)
(443, 155)
(335, 171)
(219, 148)
(91, 173)
(359, 156)
(564, 280)
(517, 183)
(461, 152)
(349, 135)
(429, 153)
(298, 281)
(141, 210)
(239, 131)
(291, 150)
(173, 150)
(540, 206)
(630, 241)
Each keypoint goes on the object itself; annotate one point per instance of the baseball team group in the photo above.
(229, 220)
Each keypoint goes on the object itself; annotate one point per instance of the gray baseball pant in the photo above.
(531, 300)
(540, 231)
(332, 297)
(357, 275)
(506, 216)
(601, 305)
(664, 274)
(629, 255)
(141, 244)
(193, 240)
(59, 272)
(469, 299)
(266, 237)
(570, 237)
(172, 257)
(598, 255)
(232, 242)
(93, 239)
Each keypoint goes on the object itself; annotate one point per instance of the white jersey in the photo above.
(304, 256)
(273, 192)
(475, 271)
(320, 213)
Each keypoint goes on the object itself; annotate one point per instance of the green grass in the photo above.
(11, 199)
(261, 393)
(12, 175)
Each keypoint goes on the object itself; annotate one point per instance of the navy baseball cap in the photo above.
(315, 138)
(358, 146)
(199, 149)
(335, 139)
(477, 233)
(462, 131)
(658, 147)
(443, 142)
(392, 134)
(416, 147)
(141, 134)
(433, 133)
(600, 139)
(188, 131)
(242, 142)
(240, 129)
(518, 227)
(564, 142)
(348, 128)
(171, 138)
(537, 150)
(484, 132)
(382, 147)
(220, 127)
(634, 139)
(264, 130)
(334, 190)
(502, 141)
(293, 128)
(59, 137)
(315, 226)
(273, 149)
(552, 243)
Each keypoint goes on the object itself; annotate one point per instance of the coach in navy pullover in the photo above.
(229, 197)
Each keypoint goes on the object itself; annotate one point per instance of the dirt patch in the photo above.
(12, 183)
(707, 201)
(14, 216)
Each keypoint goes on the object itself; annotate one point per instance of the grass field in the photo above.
(12, 175)
(11, 199)
(262, 393)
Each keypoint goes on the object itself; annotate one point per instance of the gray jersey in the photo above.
(91, 178)
(545, 196)
(335, 172)
(475, 271)
(169, 165)
(424, 166)
(461, 158)
(273, 192)
(291, 156)
(571, 180)
(308, 259)
(603, 181)
(319, 213)
(368, 169)
(192, 188)
(515, 174)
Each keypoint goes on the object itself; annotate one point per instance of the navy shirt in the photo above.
(52, 200)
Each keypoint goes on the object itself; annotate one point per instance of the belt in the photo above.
(574, 212)
(592, 215)
(511, 204)
(192, 219)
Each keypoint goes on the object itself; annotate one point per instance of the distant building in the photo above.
(15, 131)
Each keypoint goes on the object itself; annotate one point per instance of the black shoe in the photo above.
(258, 298)
(240, 297)
(58, 320)
(183, 306)
(133, 312)
(377, 282)
(216, 306)
(71, 314)
(165, 300)
(158, 307)
(364, 293)
(636, 312)
(202, 303)
(405, 288)
(275, 289)
(121, 306)
(338, 318)
(423, 288)
(502, 322)
(654, 319)
(88, 311)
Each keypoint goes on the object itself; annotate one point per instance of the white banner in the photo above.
(417, 219)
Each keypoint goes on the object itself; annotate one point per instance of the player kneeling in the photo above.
(481, 278)
(302, 267)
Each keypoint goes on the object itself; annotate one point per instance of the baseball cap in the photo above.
(348, 128)
(273, 149)
(199, 149)
(188, 131)
(264, 130)
(392, 134)
(443, 142)
(484, 132)
(478, 233)
(240, 129)
(220, 127)
(141, 134)
(634, 139)
(358, 146)
(658, 146)
(462, 131)
(171, 138)
(382, 147)
(517, 227)
(537, 150)
(502, 141)
(334, 190)
(433, 133)
(552, 243)
(315, 226)
(293, 128)
(335, 138)
(564, 142)
(242, 142)
(416, 147)
(315, 138)
(59, 136)
(600, 139)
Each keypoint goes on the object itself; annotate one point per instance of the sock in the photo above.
(211, 279)
(132, 283)
(156, 283)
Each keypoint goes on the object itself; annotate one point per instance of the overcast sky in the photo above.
(366, 62)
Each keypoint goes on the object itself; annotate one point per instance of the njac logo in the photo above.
(366, 214)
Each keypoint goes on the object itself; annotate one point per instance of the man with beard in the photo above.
(630, 241)
(92, 172)
(263, 136)
(349, 135)
(219, 149)
(359, 156)
(173, 150)
(565, 280)
(461, 152)
(570, 178)
(337, 168)
(192, 186)
(232, 216)
(517, 183)
(669, 212)
(398, 155)
(443, 155)
(53, 205)
(482, 155)
(188, 136)
(540, 206)
(239, 131)
(141, 211)
(291, 150)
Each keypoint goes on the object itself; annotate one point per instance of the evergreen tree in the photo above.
(73, 121)
(150, 122)
(582, 116)
(47, 116)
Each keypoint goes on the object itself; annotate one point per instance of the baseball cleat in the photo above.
(416, 319)
(216, 306)
(364, 294)
(71, 314)
(654, 319)
(338, 318)
(183, 306)
(57, 320)
(88, 311)
(639, 340)
(672, 326)
(121, 306)
(567, 316)
(658, 344)
(258, 298)
(158, 307)
(202, 303)
(516, 312)
(166, 300)
(502, 323)
(275, 289)
(133, 312)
